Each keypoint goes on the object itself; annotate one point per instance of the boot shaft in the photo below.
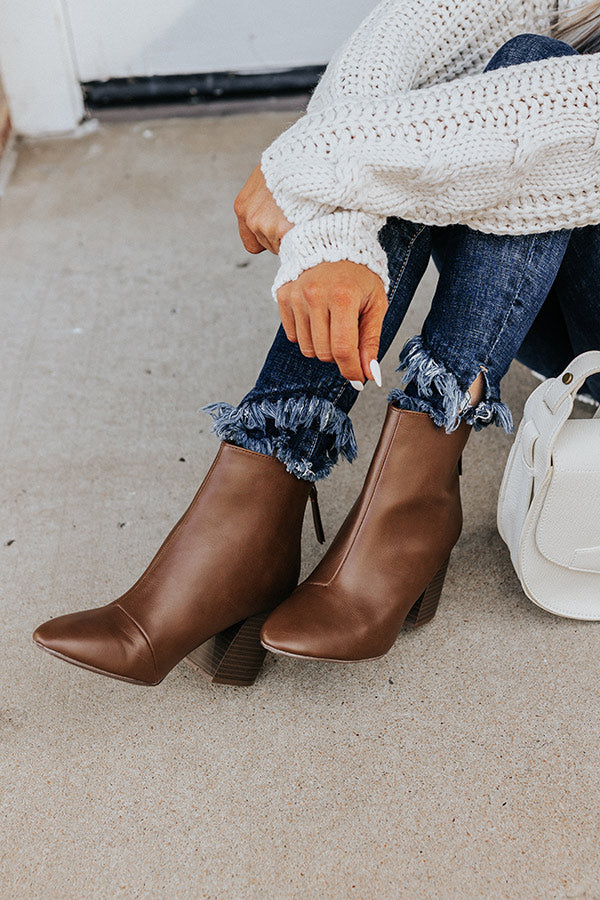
(413, 476)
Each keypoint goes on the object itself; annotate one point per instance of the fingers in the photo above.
(344, 341)
(369, 332)
(303, 330)
(335, 311)
(287, 315)
(320, 332)
(262, 233)
(261, 223)
(256, 238)
(249, 240)
(306, 326)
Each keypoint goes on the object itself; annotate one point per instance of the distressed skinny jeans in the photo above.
(531, 297)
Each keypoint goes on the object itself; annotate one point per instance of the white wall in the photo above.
(38, 68)
(47, 47)
(115, 38)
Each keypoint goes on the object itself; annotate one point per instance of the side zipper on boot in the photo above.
(316, 513)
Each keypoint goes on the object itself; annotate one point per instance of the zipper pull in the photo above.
(316, 513)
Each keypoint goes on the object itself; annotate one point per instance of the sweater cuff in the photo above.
(346, 234)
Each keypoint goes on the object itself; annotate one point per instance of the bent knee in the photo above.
(527, 47)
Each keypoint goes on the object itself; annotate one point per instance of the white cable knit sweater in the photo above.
(405, 122)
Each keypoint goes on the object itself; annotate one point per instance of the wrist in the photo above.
(343, 235)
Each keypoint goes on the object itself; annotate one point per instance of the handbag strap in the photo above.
(571, 378)
(547, 409)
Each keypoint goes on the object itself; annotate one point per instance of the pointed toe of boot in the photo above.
(277, 636)
(105, 640)
(303, 626)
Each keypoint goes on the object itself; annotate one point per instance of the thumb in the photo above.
(369, 331)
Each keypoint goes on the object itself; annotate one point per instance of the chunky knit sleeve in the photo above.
(434, 139)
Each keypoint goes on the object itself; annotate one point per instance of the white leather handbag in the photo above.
(549, 502)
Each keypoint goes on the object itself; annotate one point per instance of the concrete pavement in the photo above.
(463, 764)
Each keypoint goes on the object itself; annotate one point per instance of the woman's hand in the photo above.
(260, 221)
(334, 311)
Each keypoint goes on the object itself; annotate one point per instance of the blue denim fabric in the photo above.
(533, 297)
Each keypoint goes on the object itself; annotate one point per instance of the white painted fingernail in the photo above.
(357, 385)
(376, 372)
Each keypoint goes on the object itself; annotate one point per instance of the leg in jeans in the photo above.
(235, 553)
(569, 321)
(299, 407)
(386, 565)
(490, 290)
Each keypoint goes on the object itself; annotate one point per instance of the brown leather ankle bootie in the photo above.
(232, 557)
(386, 565)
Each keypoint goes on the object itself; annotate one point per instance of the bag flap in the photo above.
(568, 528)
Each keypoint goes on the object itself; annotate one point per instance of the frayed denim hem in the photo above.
(440, 395)
(307, 434)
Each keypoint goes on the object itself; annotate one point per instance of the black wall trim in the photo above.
(201, 88)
